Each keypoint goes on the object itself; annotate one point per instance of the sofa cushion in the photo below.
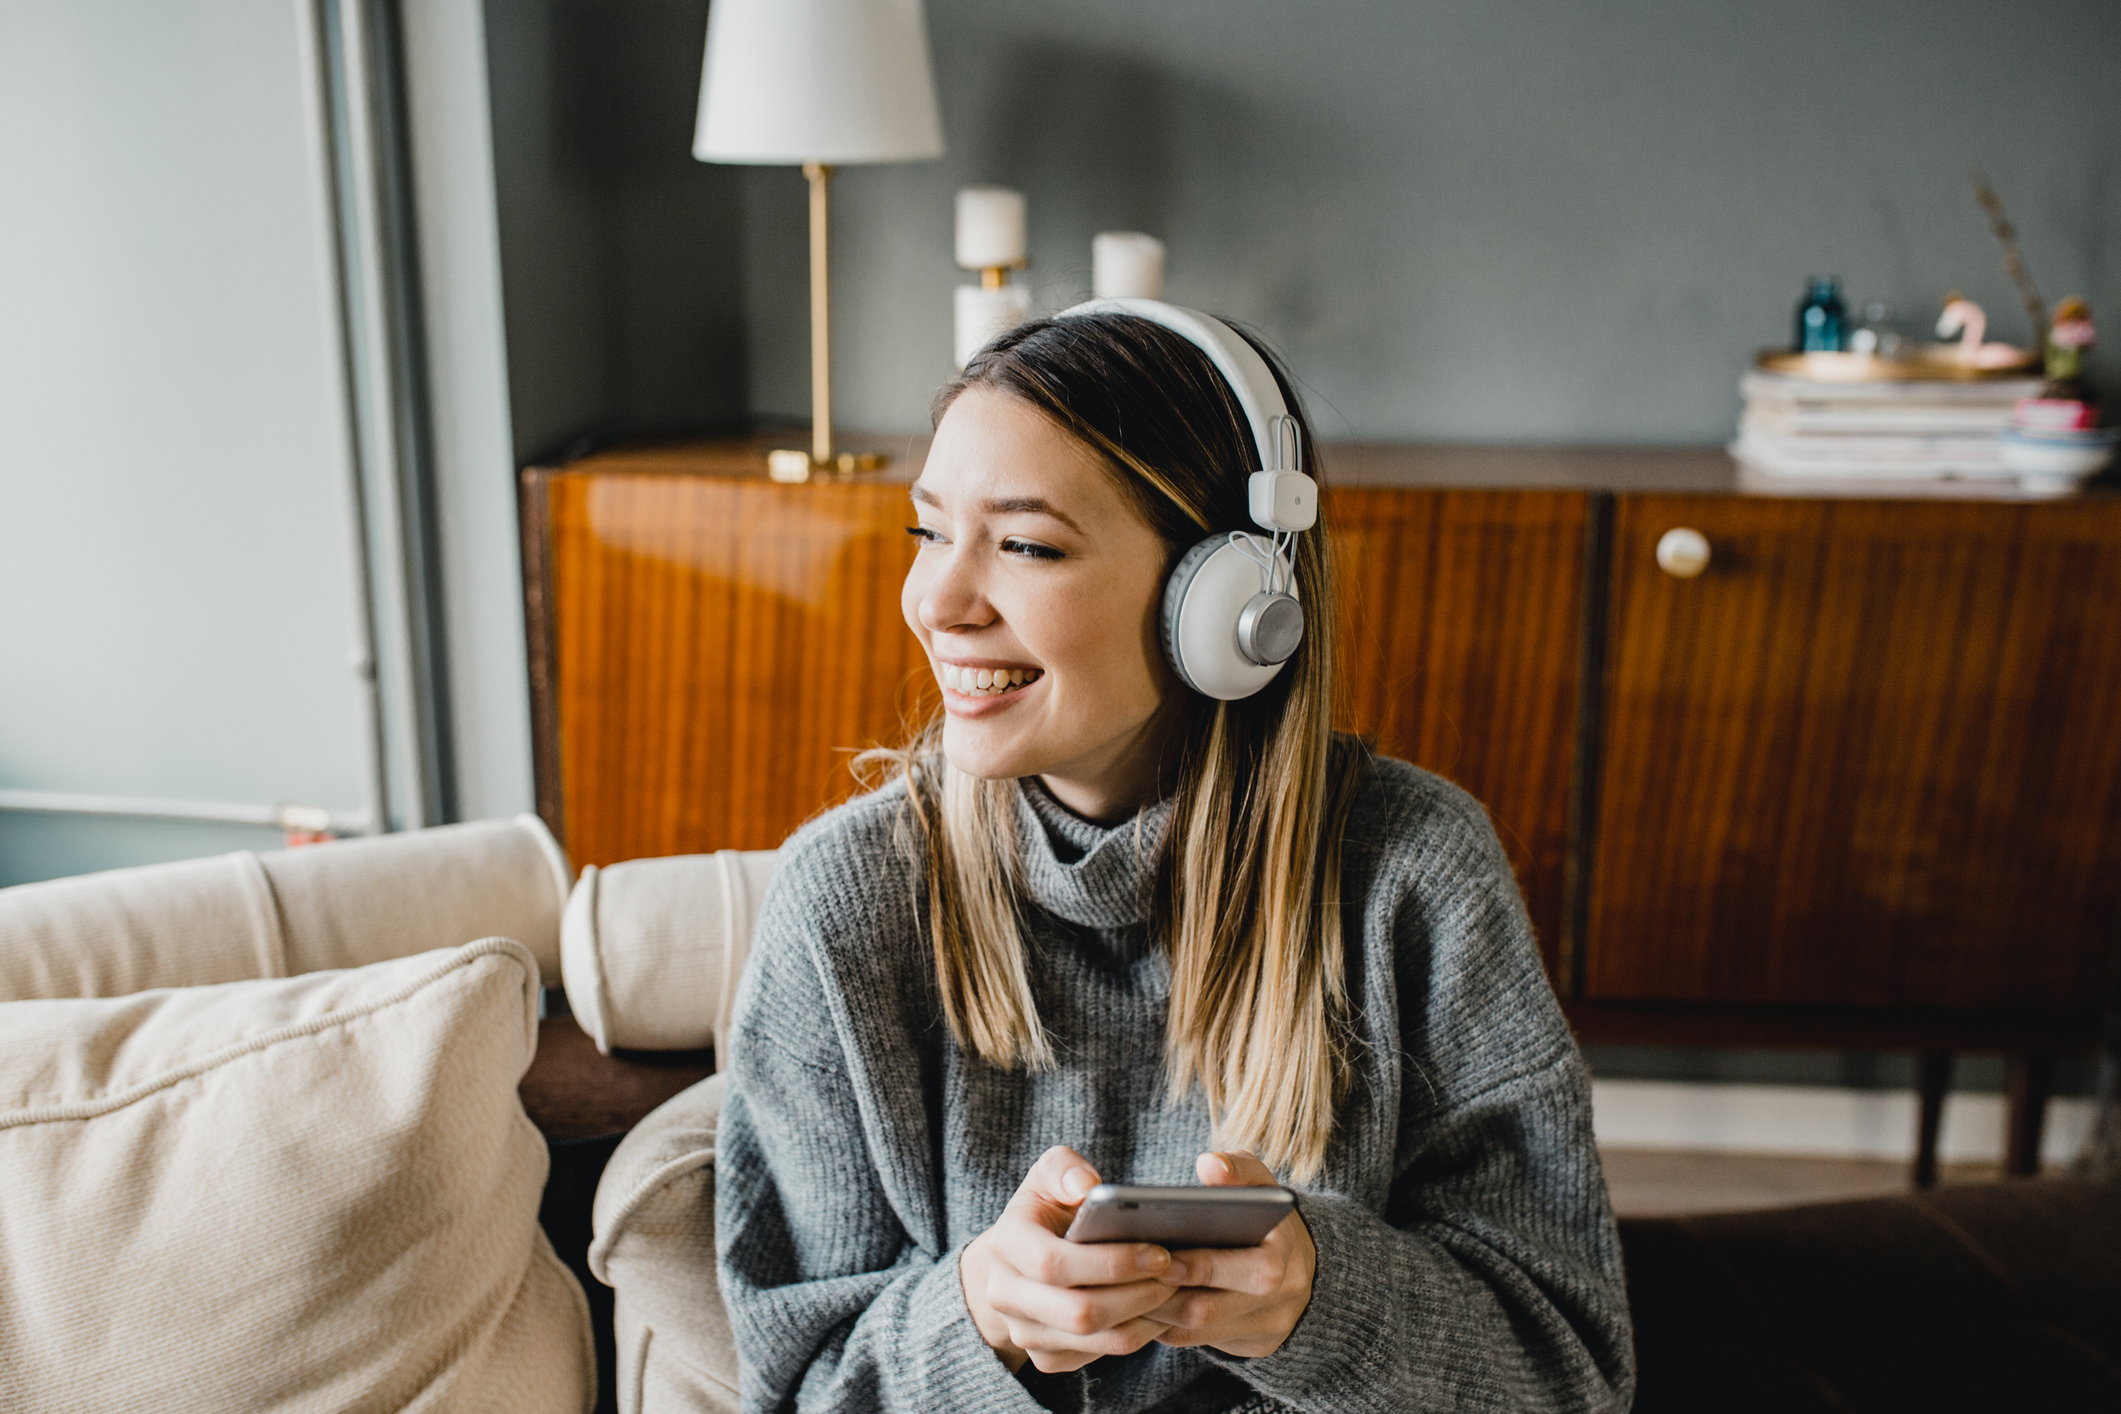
(304, 1194)
(283, 913)
(652, 948)
(654, 1246)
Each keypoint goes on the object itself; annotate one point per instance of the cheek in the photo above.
(909, 602)
(1109, 645)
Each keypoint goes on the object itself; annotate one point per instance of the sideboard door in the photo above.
(1462, 616)
(1871, 756)
(721, 648)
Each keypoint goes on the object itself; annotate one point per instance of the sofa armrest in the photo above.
(654, 1246)
(284, 913)
(651, 949)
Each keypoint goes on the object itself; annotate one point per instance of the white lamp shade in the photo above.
(835, 81)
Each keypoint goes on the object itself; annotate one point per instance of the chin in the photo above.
(984, 754)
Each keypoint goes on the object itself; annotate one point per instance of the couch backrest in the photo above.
(652, 948)
(284, 913)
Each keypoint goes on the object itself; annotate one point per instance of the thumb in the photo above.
(1233, 1169)
(1060, 1176)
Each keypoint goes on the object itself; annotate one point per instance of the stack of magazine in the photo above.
(1911, 431)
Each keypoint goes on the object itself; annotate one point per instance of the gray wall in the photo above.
(1497, 220)
(1511, 220)
(623, 288)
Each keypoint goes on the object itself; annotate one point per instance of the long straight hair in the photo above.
(1247, 884)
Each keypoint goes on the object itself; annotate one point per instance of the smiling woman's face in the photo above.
(1033, 564)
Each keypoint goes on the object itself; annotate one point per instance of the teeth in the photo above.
(984, 682)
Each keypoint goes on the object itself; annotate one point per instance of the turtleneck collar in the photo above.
(1096, 876)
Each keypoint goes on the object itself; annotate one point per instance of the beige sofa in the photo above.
(260, 1139)
(651, 950)
(156, 1011)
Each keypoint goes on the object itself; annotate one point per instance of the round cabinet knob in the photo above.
(1683, 553)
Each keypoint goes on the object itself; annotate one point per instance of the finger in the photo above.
(1256, 1271)
(1060, 1176)
(1233, 1169)
(1052, 1349)
(1028, 1245)
(1079, 1311)
(1209, 1314)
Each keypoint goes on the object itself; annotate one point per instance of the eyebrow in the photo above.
(1006, 505)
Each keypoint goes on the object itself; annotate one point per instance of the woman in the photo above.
(1101, 927)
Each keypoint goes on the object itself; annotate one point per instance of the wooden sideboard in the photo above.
(1857, 785)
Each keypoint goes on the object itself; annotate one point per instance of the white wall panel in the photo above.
(178, 595)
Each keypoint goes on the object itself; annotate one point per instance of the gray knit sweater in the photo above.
(1467, 1257)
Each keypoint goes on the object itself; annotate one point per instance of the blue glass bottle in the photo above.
(1822, 321)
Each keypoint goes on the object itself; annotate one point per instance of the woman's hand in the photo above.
(1243, 1301)
(1035, 1295)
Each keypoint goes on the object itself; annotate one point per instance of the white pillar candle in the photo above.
(981, 314)
(990, 227)
(1126, 265)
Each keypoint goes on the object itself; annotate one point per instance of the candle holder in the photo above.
(989, 308)
(990, 240)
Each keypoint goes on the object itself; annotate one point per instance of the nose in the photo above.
(949, 594)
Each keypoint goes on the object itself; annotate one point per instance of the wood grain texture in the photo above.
(720, 646)
(1460, 622)
(1870, 758)
(723, 646)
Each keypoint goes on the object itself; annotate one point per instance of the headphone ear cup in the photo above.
(1204, 603)
(1182, 575)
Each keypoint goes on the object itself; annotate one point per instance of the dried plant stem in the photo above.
(1999, 221)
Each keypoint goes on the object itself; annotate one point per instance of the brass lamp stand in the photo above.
(790, 464)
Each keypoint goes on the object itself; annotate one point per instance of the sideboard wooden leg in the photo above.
(2102, 1152)
(1934, 1078)
(2028, 1079)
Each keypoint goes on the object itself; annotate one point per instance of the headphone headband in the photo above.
(1238, 362)
(1230, 614)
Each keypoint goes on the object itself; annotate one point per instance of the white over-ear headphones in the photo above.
(1230, 617)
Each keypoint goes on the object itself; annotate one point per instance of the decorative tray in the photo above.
(1931, 363)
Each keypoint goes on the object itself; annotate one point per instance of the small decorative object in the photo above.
(1126, 265)
(2055, 442)
(2068, 338)
(1821, 317)
(1963, 317)
(990, 239)
(1999, 221)
(817, 83)
(1878, 335)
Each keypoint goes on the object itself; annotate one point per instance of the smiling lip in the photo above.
(966, 695)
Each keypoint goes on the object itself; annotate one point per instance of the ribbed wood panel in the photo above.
(1460, 654)
(721, 646)
(1872, 757)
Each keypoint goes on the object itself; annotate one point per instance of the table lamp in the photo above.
(819, 83)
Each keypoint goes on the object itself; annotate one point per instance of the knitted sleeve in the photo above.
(1492, 1277)
(836, 1304)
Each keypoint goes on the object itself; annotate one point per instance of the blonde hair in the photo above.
(1247, 886)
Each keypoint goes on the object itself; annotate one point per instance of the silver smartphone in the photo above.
(1181, 1216)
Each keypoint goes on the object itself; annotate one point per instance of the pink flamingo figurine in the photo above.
(1963, 317)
